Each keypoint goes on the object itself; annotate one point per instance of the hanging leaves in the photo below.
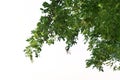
(97, 20)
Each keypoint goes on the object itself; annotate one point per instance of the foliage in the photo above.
(97, 20)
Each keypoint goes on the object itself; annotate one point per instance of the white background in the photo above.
(17, 19)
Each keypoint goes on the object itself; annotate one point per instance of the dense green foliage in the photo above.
(97, 20)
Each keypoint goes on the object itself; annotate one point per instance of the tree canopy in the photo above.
(97, 20)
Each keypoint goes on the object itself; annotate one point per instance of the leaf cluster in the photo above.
(97, 20)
